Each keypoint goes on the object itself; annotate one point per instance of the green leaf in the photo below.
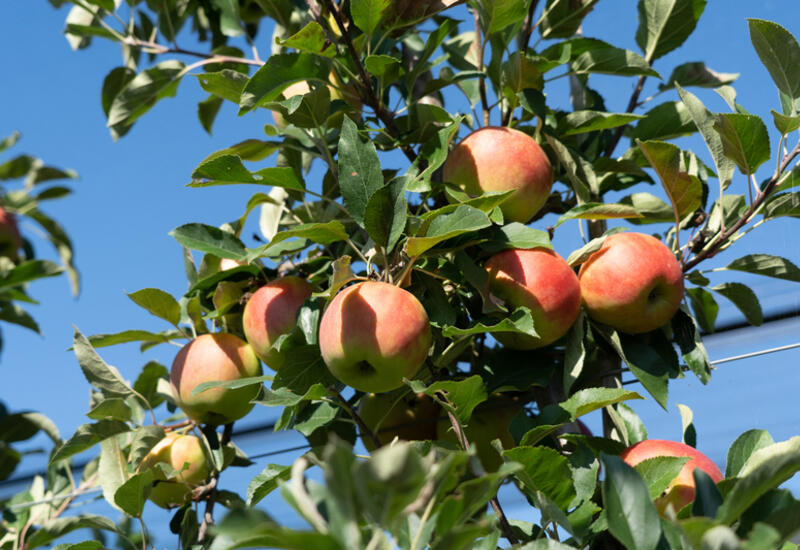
(28, 271)
(580, 122)
(11, 313)
(359, 170)
(545, 470)
(503, 13)
(209, 239)
(100, 375)
(143, 440)
(140, 94)
(687, 337)
(591, 399)
(229, 19)
(518, 321)
(55, 528)
(232, 384)
(666, 121)
(131, 495)
(704, 306)
(303, 369)
(632, 518)
(147, 382)
(652, 209)
(158, 303)
(516, 235)
(464, 219)
(598, 211)
(766, 469)
(277, 74)
(207, 111)
(658, 472)
(23, 426)
(311, 39)
(696, 73)
(785, 124)
(688, 430)
(367, 14)
(378, 65)
(126, 336)
(705, 120)
(225, 84)
(744, 446)
(322, 233)
(707, 497)
(112, 408)
(666, 24)
(229, 170)
(87, 436)
(767, 265)
(780, 54)
(386, 213)
(266, 482)
(745, 140)
(613, 61)
(634, 426)
(744, 299)
(684, 191)
(562, 18)
(462, 396)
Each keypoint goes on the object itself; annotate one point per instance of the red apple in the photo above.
(185, 454)
(633, 283)
(271, 312)
(540, 280)
(10, 238)
(214, 357)
(680, 491)
(373, 335)
(502, 159)
(411, 417)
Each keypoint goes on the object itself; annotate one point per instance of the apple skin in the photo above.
(271, 312)
(680, 491)
(489, 421)
(10, 238)
(176, 450)
(210, 357)
(502, 159)
(337, 89)
(373, 334)
(411, 418)
(633, 283)
(542, 281)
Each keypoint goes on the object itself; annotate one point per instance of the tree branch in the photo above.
(482, 81)
(528, 26)
(759, 200)
(209, 491)
(368, 95)
(362, 427)
(156, 48)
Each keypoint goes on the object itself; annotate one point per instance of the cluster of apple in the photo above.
(374, 334)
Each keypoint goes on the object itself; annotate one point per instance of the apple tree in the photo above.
(403, 290)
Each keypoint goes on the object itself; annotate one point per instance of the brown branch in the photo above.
(528, 26)
(366, 91)
(631, 106)
(746, 217)
(482, 82)
(505, 527)
(157, 48)
(362, 427)
(209, 490)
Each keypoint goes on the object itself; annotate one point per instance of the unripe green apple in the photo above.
(633, 283)
(489, 421)
(271, 312)
(10, 238)
(502, 159)
(540, 280)
(214, 357)
(411, 417)
(680, 491)
(177, 451)
(373, 335)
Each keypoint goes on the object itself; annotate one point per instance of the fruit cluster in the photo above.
(373, 334)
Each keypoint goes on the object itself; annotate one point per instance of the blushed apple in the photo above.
(271, 312)
(633, 283)
(214, 357)
(502, 159)
(184, 453)
(540, 280)
(411, 417)
(373, 334)
(10, 238)
(680, 491)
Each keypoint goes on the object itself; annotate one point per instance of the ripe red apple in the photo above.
(177, 451)
(411, 417)
(10, 238)
(633, 283)
(680, 491)
(272, 311)
(489, 421)
(373, 335)
(213, 357)
(540, 280)
(502, 159)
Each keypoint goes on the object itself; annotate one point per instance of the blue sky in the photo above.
(132, 193)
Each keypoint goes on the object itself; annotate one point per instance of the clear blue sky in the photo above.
(131, 194)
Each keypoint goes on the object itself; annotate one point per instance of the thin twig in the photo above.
(481, 81)
(156, 48)
(363, 428)
(746, 217)
(527, 28)
(631, 106)
(367, 92)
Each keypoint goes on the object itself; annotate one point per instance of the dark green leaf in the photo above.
(464, 219)
(614, 61)
(666, 121)
(658, 472)
(518, 321)
(159, 303)
(691, 346)
(684, 191)
(100, 375)
(767, 265)
(225, 84)
(562, 18)
(591, 399)
(266, 482)
(386, 213)
(744, 446)
(277, 74)
(140, 94)
(666, 24)
(785, 124)
(462, 396)
(104, 340)
(696, 73)
(367, 14)
(28, 271)
(503, 13)
(207, 111)
(545, 470)
(580, 122)
(780, 54)
(516, 235)
(232, 384)
(745, 140)
(131, 495)
(87, 436)
(744, 299)
(311, 39)
(209, 239)
(303, 368)
(707, 497)
(55, 528)
(705, 308)
(598, 211)
(359, 170)
(111, 408)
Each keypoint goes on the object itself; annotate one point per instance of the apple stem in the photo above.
(362, 427)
